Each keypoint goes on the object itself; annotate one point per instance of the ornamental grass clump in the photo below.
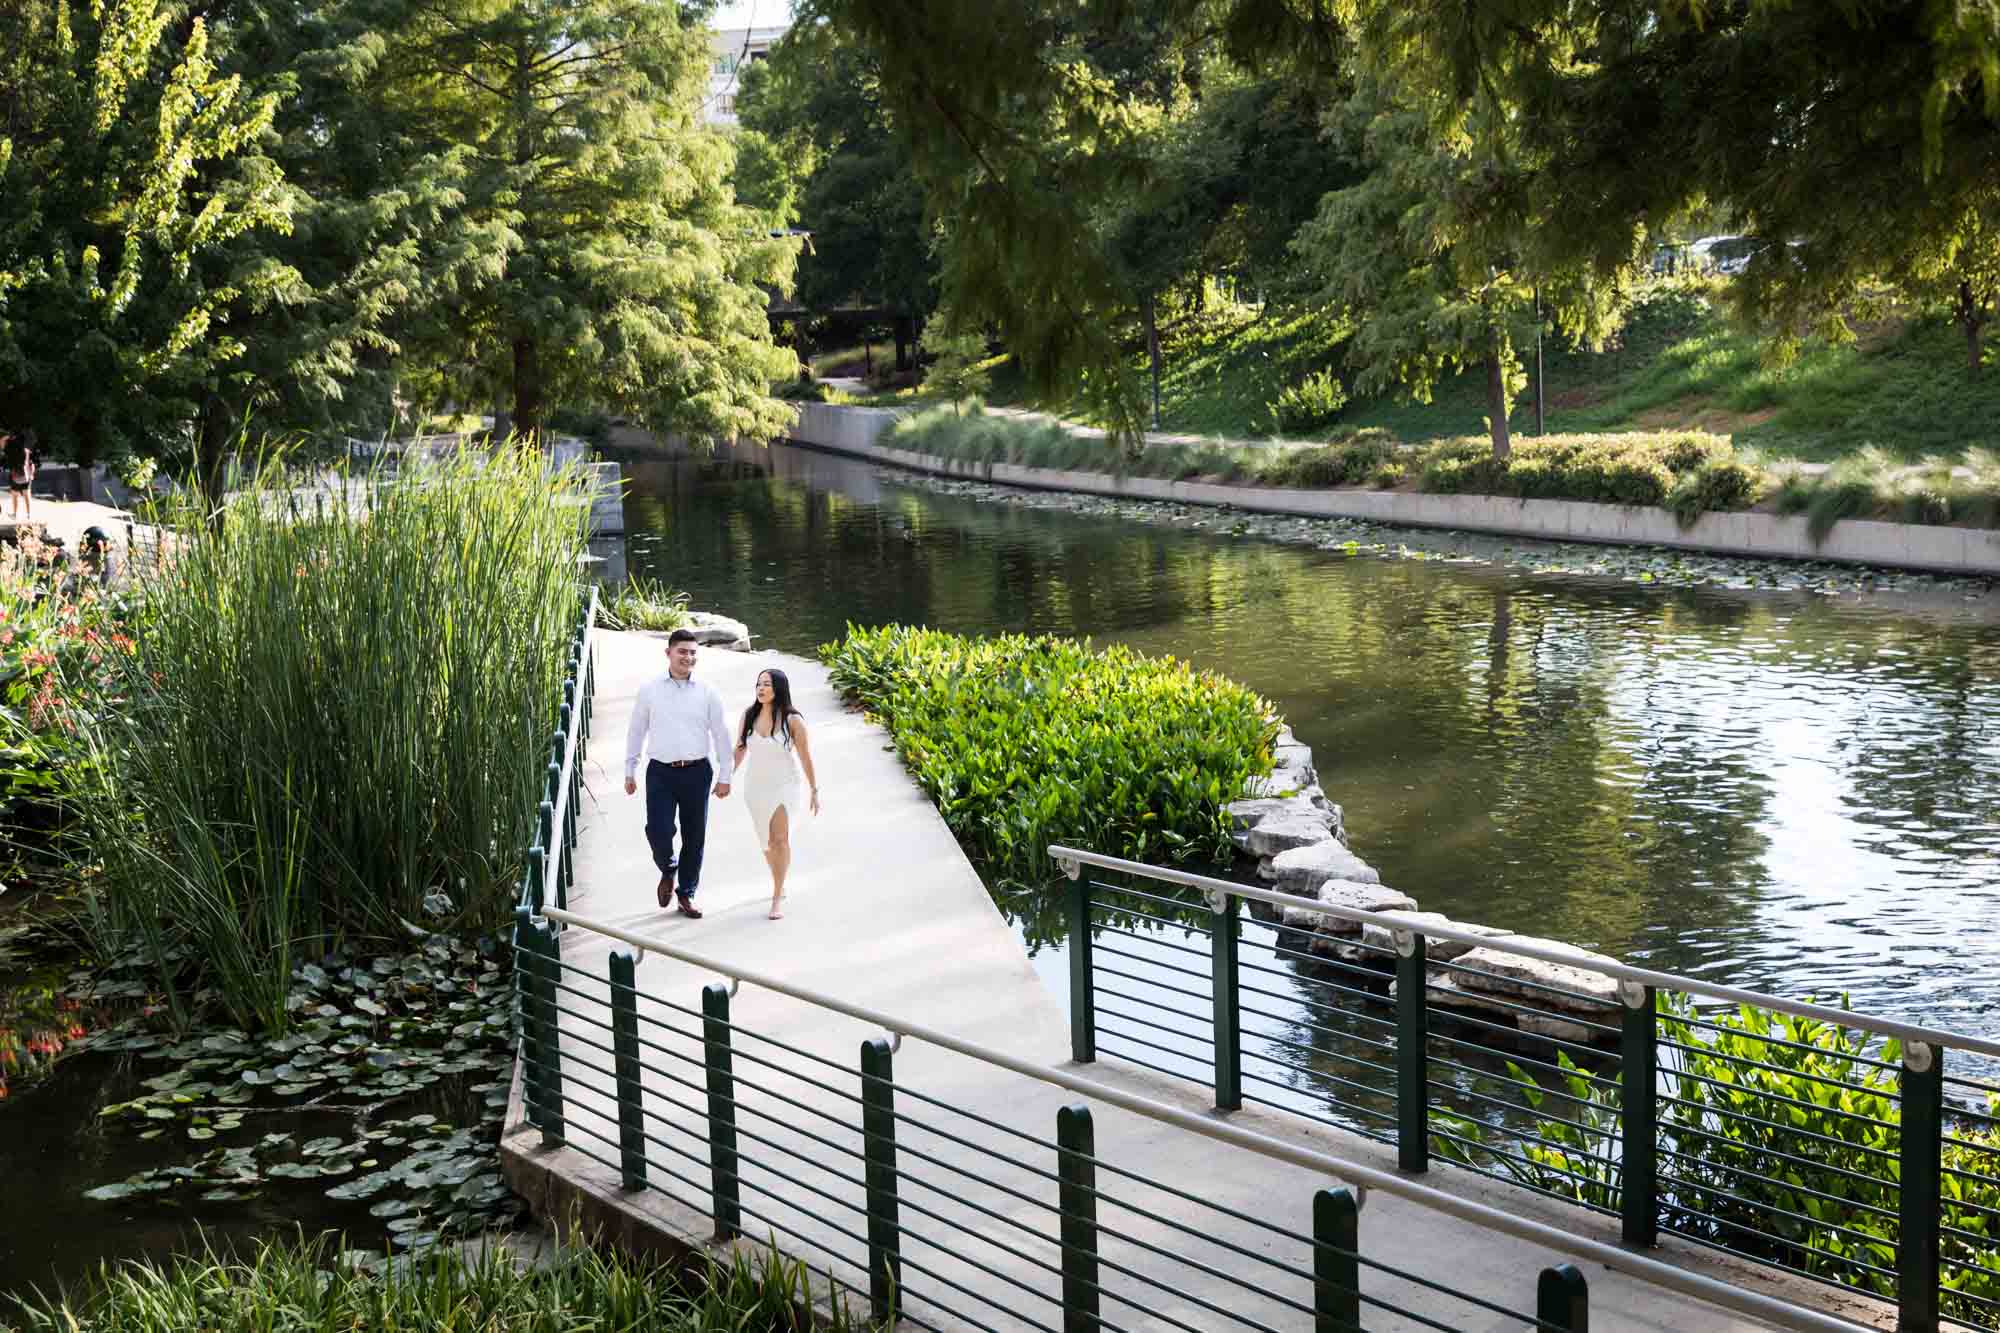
(309, 1285)
(1027, 741)
(335, 719)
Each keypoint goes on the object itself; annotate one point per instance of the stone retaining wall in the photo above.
(857, 431)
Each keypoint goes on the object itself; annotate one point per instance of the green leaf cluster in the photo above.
(128, 153)
(1027, 741)
(1780, 1137)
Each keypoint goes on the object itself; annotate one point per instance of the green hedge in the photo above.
(1027, 741)
(1688, 472)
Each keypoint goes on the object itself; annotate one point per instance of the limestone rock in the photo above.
(1302, 870)
(1584, 990)
(1442, 951)
(1445, 991)
(719, 631)
(1244, 814)
(1281, 832)
(1360, 897)
(1292, 772)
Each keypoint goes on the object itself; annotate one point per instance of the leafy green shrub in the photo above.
(335, 720)
(805, 391)
(1027, 741)
(1779, 1137)
(1310, 405)
(1347, 463)
(292, 1286)
(1716, 486)
(1687, 471)
(1628, 469)
(643, 603)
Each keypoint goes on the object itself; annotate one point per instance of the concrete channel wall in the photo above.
(857, 431)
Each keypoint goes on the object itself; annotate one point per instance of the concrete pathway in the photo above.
(885, 912)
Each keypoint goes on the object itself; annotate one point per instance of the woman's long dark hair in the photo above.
(781, 705)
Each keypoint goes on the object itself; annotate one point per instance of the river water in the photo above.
(1779, 790)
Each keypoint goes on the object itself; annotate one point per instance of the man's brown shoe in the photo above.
(666, 891)
(688, 908)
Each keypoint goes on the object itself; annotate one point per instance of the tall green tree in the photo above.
(1852, 139)
(1433, 255)
(632, 278)
(127, 160)
(815, 106)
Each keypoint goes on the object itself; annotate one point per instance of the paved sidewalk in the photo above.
(885, 912)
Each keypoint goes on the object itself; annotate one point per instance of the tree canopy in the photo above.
(318, 219)
(1851, 141)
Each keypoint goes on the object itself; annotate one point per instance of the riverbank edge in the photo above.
(856, 432)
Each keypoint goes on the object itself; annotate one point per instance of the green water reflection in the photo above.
(1771, 789)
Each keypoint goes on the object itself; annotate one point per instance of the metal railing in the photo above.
(944, 1216)
(550, 866)
(1798, 1135)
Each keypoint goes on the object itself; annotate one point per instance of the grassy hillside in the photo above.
(1902, 386)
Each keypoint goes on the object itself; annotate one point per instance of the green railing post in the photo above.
(726, 1186)
(878, 1147)
(631, 1088)
(1639, 1115)
(537, 860)
(547, 1114)
(1920, 1182)
(1082, 1012)
(1413, 1119)
(1336, 1262)
(1562, 1299)
(1226, 933)
(1076, 1200)
(528, 1021)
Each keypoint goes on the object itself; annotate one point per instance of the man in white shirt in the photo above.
(678, 720)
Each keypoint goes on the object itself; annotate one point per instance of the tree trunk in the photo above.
(1496, 400)
(1972, 319)
(1153, 350)
(211, 475)
(527, 389)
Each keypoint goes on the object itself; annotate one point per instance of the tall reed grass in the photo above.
(335, 717)
(299, 1286)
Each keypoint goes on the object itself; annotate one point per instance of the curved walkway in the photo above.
(886, 912)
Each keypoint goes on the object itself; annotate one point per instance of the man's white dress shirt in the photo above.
(677, 719)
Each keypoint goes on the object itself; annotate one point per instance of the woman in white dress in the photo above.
(773, 744)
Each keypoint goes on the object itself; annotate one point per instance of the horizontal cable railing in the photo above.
(1798, 1135)
(551, 864)
(946, 1217)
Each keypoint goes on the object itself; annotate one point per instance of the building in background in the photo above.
(734, 49)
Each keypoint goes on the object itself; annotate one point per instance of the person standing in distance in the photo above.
(678, 721)
(19, 456)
